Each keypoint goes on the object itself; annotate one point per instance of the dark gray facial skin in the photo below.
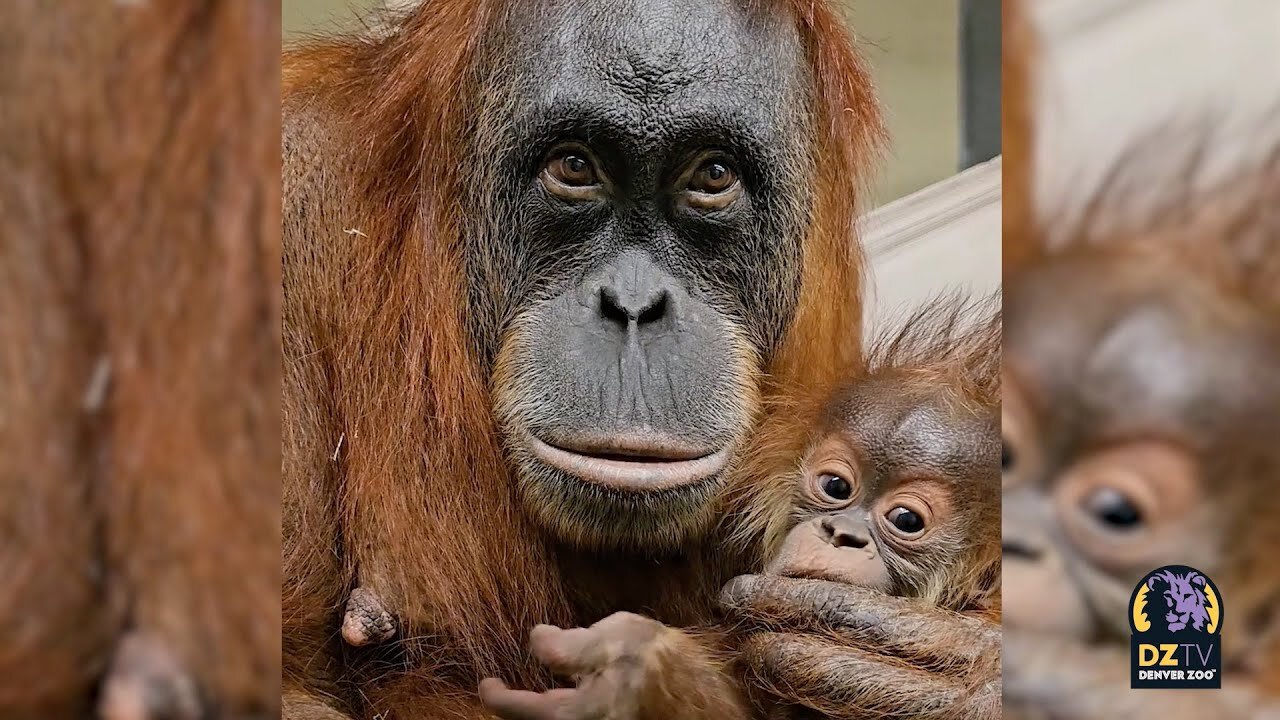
(628, 326)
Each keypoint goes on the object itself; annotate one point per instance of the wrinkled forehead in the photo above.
(1120, 358)
(913, 430)
(645, 61)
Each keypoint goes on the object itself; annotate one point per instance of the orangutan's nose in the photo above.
(844, 531)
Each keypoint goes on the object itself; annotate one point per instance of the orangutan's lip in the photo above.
(630, 466)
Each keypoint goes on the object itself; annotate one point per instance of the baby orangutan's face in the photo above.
(895, 497)
(839, 542)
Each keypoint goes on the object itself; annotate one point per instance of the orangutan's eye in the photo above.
(571, 168)
(835, 487)
(713, 177)
(713, 183)
(906, 520)
(1110, 507)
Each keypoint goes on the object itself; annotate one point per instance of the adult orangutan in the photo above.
(545, 262)
(140, 326)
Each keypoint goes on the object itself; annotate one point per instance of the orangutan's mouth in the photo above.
(631, 464)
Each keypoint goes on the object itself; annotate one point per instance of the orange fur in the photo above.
(139, 307)
(1017, 67)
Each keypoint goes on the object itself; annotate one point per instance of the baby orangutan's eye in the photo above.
(906, 520)
(835, 487)
(1113, 509)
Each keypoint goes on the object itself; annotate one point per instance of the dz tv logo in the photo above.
(1175, 615)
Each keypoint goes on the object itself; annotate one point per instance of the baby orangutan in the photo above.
(896, 505)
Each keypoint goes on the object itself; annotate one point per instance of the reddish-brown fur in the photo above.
(1018, 144)
(391, 449)
(139, 312)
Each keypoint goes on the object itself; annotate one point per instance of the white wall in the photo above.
(945, 237)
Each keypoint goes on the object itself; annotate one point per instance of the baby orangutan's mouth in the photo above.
(631, 463)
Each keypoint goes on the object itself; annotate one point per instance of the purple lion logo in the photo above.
(1184, 594)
